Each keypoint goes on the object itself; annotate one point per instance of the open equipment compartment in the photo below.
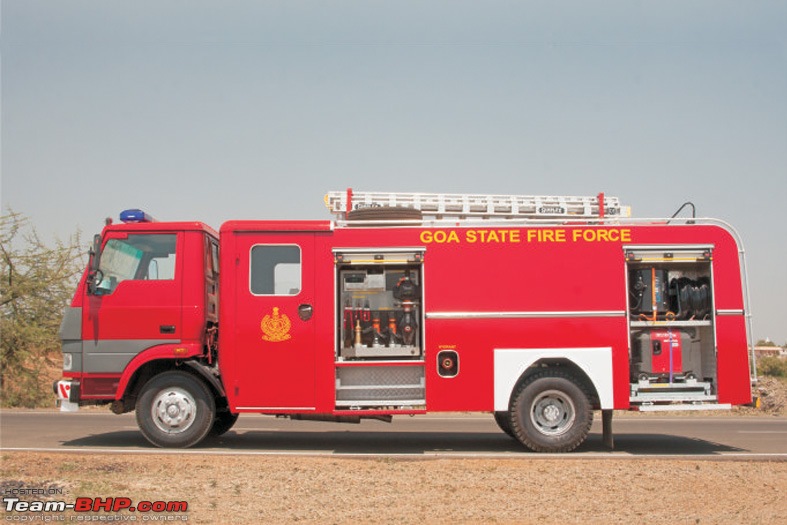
(379, 347)
(672, 353)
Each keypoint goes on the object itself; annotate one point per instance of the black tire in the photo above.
(385, 213)
(503, 420)
(175, 410)
(223, 423)
(551, 412)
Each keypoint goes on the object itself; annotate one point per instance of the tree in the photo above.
(36, 283)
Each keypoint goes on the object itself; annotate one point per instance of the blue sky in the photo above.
(231, 110)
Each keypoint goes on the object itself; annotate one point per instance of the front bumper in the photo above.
(67, 392)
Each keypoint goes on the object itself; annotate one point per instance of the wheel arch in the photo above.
(590, 366)
(134, 381)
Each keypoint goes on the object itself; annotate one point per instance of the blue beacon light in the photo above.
(134, 215)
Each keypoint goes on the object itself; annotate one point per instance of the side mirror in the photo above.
(94, 276)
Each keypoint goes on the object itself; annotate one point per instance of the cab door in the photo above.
(137, 305)
(275, 322)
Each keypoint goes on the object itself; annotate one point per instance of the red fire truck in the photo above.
(538, 310)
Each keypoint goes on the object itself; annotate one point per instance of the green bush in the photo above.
(37, 279)
(772, 366)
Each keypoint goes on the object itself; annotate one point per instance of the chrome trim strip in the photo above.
(285, 409)
(730, 312)
(524, 315)
(667, 247)
(380, 249)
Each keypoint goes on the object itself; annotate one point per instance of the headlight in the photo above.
(68, 361)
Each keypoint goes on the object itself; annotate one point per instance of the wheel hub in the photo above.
(553, 413)
(173, 410)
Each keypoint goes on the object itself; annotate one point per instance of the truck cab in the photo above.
(148, 300)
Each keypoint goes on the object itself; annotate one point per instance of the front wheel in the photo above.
(551, 412)
(223, 423)
(176, 410)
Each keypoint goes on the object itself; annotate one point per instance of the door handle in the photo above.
(305, 312)
(167, 329)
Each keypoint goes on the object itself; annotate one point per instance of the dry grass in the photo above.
(275, 489)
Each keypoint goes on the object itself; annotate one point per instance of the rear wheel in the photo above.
(503, 420)
(551, 412)
(175, 409)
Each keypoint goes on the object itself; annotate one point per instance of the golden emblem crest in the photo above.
(276, 327)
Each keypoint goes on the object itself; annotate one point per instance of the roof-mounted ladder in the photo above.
(477, 206)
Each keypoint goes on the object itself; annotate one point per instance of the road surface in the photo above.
(428, 435)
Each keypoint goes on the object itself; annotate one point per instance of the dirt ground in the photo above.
(772, 394)
(264, 489)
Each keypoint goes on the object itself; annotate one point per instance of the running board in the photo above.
(681, 408)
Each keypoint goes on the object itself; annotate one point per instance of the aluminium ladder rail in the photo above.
(456, 205)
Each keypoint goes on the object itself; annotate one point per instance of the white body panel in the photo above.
(511, 363)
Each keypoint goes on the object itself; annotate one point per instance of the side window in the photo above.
(211, 258)
(214, 255)
(275, 270)
(144, 257)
